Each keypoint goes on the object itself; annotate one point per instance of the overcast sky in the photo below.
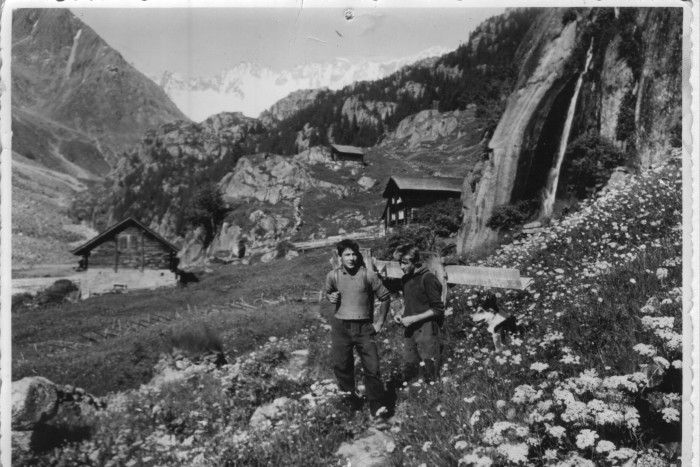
(205, 41)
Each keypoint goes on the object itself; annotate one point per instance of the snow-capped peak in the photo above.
(251, 88)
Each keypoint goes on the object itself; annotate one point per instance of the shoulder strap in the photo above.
(335, 278)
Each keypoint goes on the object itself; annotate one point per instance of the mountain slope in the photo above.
(76, 105)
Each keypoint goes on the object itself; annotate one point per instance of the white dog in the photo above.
(500, 325)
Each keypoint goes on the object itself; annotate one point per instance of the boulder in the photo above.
(291, 254)
(366, 182)
(369, 451)
(269, 256)
(264, 416)
(295, 368)
(34, 400)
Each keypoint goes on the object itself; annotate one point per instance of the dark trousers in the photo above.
(422, 344)
(347, 335)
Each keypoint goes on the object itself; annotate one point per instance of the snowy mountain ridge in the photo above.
(251, 88)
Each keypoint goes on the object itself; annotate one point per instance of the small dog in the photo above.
(500, 325)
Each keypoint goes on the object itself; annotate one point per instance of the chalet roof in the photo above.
(116, 228)
(424, 184)
(348, 149)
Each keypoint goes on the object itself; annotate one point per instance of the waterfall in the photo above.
(550, 189)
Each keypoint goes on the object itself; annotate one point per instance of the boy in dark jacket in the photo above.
(422, 315)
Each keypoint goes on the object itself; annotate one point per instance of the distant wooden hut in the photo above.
(405, 196)
(343, 153)
(127, 255)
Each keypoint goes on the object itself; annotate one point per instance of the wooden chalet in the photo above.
(406, 195)
(341, 153)
(127, 255)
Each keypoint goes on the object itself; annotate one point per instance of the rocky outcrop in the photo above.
(304, 137)
(291, 104)
(366, 113)
(271, 179)
(429, 126)
(630, 96)
(315, 155)
(411, 89)
(156, 178)
(264, 191)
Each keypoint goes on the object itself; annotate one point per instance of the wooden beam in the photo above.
(484, 277)
(503, 278)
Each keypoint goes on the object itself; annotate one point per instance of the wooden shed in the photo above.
(406, 195)
(343, 153)
(126, 256)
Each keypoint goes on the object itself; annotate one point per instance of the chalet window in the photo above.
(398, 199)
(401, 214)
(128, 242)
(393, 216)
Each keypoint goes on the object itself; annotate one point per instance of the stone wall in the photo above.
(96, 281)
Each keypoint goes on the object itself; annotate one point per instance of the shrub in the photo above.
(444, 217)
(57, 292)
(21, 300)
(283, 248)
(196, 339)
(207, 210)
(508, 216)
(588, 163)
(415, 234)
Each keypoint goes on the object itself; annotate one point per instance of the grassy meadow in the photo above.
(595, 379)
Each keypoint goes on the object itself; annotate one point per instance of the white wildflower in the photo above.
(556, 431)
(474, 419)
(604, 446)
(644, 350)
(475, 460)
(670, 415)
(632, 418)
(515, 453)
(586, 438)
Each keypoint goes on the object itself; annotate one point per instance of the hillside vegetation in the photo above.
(594, 380)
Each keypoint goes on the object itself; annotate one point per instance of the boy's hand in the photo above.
(407, 320)
(333, 297)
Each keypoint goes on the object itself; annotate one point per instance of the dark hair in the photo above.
(345, 244)
(489, 302)
(407, 250)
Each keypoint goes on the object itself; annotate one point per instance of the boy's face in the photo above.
(349, 259)
(406, 265)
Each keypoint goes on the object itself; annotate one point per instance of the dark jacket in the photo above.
(422, 290)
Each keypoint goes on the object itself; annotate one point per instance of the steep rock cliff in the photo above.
(630, 94)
